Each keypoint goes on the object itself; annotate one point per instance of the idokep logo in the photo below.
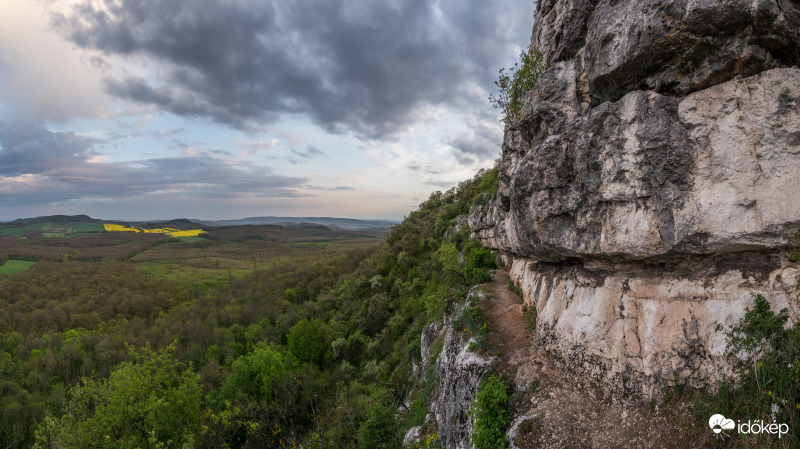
(719, 424)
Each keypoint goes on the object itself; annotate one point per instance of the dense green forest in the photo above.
(250, 338)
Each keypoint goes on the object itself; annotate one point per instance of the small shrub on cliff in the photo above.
(427, 442)
(516, 289)
(532, 315)
(471, 268)
(490, 415)
(515, 83)
(473, 321)
(766, 355)
(794, 255)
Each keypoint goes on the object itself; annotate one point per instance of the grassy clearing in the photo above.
(22, 230)
(189, 275)
(14, 266)
(89, 228)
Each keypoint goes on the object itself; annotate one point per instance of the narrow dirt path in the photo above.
(570, 412)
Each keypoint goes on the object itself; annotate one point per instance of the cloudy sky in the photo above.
(145, 109)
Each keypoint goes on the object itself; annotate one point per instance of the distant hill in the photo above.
(184, 223)
(178, 223)
(343, 223)
(53, 219)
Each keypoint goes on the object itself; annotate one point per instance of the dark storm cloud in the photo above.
(478, 142)
(26, 148)
(355, 66)
(310, 152)
(37, 165)
(469, 149)
(426, 169)
(329, 189)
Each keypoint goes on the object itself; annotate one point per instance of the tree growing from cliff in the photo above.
(515, 83)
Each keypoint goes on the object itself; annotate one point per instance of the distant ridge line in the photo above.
(343, 223)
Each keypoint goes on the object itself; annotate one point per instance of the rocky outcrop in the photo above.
(649, 187)
(653, 176)
(674, 47)
(460, 372)
(634, 327)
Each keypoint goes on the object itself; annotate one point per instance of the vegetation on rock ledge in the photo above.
(514, 84)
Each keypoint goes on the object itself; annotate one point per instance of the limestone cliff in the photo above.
(651, 184)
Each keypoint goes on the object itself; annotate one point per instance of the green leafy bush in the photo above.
(306, 341)
(149, 402)
(436, 302)
(379, 430)
(490, 415)
(518, 81)
(794, 255)
(480, 261)
(516, 289)
(766, 356)
(254, 375)
(532, 314)
(427, 442)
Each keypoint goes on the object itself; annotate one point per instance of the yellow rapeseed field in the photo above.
(119, 228)
(170, 231)
(187, 233)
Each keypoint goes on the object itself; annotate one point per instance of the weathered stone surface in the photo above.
(745, 138)
(460, 373)
(561, 27)
(653, 176)
(634, 327)
(429, 335)
(650, 184)
(513, 430)
(673, 47)
(413, 436)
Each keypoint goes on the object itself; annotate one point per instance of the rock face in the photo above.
(661, 143)
(634, 327)
(460, 372)
(652, 176)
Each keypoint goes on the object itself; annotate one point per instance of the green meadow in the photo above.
(14, 266)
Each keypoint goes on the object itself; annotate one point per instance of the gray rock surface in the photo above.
(429, 335)
(633, 327)
(413, 436)
(673, 47)
(661, 134)
(653, 176)
(513, 431)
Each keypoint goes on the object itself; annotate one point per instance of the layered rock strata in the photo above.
(651, 184)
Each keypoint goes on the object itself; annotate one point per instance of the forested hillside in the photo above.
(156, 348)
